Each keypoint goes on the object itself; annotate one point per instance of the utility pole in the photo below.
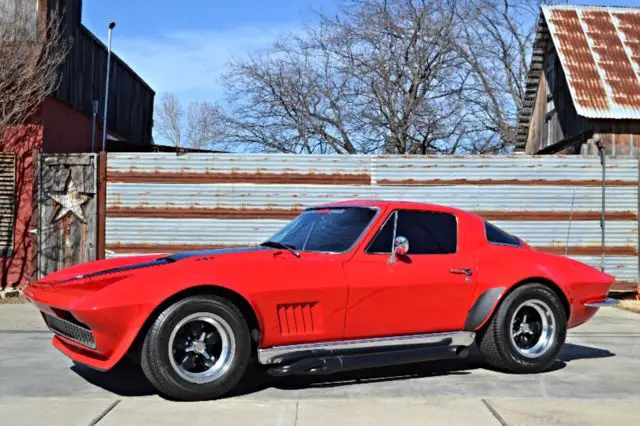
(112, 25)
(94, 115)
(602, 152)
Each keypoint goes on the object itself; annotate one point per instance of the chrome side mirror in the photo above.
(400, 247)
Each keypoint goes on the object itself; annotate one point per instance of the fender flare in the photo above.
(483, 308)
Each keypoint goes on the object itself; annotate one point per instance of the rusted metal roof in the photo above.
(599, 49)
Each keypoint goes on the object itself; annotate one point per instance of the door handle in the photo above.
(461, 271)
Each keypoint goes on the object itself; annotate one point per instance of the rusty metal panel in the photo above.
(222, 200)
(126, 231)
(240, 168)
(158, 232)
(128, 199)
(624, 268)
(576, 234)
(557, 170)
(599, 51)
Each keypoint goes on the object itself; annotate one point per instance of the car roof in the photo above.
(408, 205)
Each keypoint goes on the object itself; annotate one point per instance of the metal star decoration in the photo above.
(70, 202)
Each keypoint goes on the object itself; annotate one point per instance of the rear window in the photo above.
(496, 235)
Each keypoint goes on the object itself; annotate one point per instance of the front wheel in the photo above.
(198, 348)
(527, 331)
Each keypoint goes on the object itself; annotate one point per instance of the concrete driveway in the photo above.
(595, 381)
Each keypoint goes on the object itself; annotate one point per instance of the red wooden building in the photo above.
(64, 125)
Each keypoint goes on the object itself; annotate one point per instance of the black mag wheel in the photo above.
(198, 348)
(533, 328)
(201, 347)
(526, 332)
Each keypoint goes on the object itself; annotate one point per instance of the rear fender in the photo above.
(489, 300)
(483, 308)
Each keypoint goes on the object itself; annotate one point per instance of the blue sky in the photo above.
(183, 46)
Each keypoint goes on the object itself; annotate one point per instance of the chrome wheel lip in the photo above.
(547, 334)
(227, 352)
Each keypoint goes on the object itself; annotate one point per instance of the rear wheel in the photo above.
(198, 348)
(527, 331)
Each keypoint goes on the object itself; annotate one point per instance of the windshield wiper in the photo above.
(277, 244)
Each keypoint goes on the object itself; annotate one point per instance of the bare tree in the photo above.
(195, 128)
(382, 76)
(393, 76)
(496, 43)
(32, 48)
(405, 56)
(294, 98)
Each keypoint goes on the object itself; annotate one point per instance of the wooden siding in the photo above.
(83, 80)
(66, 237)
(536, 135)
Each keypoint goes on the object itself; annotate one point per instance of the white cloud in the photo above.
(190, 63)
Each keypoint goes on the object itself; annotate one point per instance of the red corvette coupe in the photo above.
(343, 286)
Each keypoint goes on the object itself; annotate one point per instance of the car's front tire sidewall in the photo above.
(155, 356)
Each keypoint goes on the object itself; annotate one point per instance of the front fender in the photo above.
(123, 307)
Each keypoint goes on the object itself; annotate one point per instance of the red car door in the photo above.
(429, 289)
(305, 300)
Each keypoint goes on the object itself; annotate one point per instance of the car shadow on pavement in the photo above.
(572, 352)
(369, 375)
(127, 379)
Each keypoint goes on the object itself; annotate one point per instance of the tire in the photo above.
(524, 353)
(221, 330)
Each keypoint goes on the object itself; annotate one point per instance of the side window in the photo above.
(496, 235)
(382, 241)
(427, 232)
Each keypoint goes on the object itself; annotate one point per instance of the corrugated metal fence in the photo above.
(162, 202)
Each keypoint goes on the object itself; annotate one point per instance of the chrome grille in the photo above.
(70, 330)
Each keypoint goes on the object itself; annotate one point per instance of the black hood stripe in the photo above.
(170, 259)
(161, 261)
(187, 254)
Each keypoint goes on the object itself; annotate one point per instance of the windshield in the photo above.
(328, 230)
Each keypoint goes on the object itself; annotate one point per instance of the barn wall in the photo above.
(620, 137)
(84, 74)
(65, 129)
(565, 121)
(23, 142)
(159, 202)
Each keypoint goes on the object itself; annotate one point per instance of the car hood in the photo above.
(125, 265)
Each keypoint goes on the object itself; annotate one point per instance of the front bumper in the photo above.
(97, 335)
(70, 330)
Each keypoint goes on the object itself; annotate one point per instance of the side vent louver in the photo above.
(296, 318)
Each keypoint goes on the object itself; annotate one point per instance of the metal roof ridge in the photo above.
(590, 7)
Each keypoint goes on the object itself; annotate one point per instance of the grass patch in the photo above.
(629, 305)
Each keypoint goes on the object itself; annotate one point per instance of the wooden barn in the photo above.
(584, 82)
(63, 124)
